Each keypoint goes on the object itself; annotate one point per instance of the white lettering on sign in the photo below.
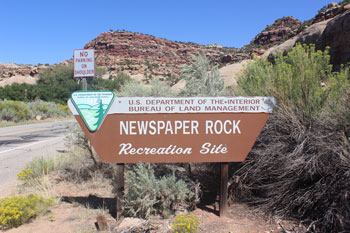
(128, 149)
(219, 127)
(158, 127)
(207, 148)
(84, 63)
(177, 127)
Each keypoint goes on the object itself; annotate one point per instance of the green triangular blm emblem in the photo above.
(92, 106)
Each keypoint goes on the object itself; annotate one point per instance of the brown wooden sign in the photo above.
(166, 130)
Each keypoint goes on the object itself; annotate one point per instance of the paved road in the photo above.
(20, 144)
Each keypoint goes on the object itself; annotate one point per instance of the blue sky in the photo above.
(38, 31)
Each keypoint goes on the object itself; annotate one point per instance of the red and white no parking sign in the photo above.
(84, 63)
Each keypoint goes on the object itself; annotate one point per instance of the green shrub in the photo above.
(15, 211)
(13, 111)
(302, 80)
(56, 84)
(25, 174)
(337, 109)
(63, 108)
(19, 92)
(43, 166)
(185, 223)
(146, 194)
(157, 89)
(113, 83)
(7, 115)
(42, 108)
(48, 109)
(202, 79)
(19, 111)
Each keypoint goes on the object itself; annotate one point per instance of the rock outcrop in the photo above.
(334, 32)
(13, 73)
(331, 11)
(310, 35)
(229, 58)
(280, 30)
(337, 36)
(136, 53)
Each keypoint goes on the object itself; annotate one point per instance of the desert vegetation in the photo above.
(299, 166)
(55, 84)
(14, 211)
(48, 97)
(18, 111)
(149, 189)
(297, 169)
(202, 78)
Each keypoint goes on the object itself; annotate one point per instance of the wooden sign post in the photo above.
(120, 190)
(223, 189)
(172, 130)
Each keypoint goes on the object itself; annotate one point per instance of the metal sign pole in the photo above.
(223, 189)
(84, 84)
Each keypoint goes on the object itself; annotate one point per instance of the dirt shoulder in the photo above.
(10, 123)
(78, 209)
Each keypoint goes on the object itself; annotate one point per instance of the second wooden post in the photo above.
(120, 190)
(223, 189)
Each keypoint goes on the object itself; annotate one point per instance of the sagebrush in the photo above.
(202, 78)
(147, 194)
(157, 89)
(16, 111)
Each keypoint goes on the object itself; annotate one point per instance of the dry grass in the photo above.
(42, 186)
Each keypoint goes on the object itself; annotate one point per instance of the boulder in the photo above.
(226, 59)
(337, 36)
(130, 225)
(310, 35)
(334, 33)
(34, 72)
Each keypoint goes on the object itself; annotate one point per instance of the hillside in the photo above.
(136, 53)
(13, 73)
(282, 29)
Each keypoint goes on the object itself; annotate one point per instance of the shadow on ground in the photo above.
(94, 202)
